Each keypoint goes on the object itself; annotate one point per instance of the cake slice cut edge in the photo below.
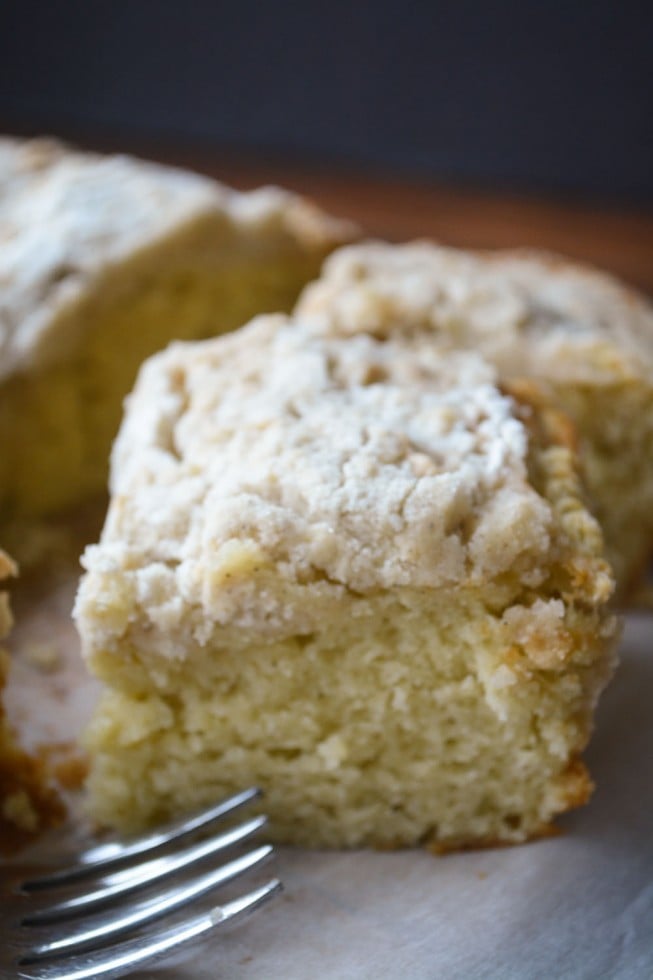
(353, 572)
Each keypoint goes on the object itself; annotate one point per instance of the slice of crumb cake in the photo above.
(353, 572)
(103, 261)
(581, 333)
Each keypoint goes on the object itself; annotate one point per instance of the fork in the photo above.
(46, 942)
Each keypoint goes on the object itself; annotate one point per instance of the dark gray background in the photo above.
(538, 94)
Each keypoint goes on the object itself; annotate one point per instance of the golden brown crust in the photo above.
(556, 472)
(548, 423)
(440, 848)
(8, 569)
(576, 783)
(576, 788)
(28, 801)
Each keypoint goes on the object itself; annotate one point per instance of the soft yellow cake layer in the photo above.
(410, 718)
(57, 422)
(355, 573)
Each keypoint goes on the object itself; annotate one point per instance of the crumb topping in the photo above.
(528, 312)
(365, 465)
(66, 217)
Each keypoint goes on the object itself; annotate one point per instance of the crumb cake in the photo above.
(103, 260)
(354, 572)
(27, 800)
(585, 336)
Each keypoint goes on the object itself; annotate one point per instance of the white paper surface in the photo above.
(579, 905)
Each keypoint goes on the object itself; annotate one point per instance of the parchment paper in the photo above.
(579, 905)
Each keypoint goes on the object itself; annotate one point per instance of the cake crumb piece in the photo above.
(68, 764)
(17, 809)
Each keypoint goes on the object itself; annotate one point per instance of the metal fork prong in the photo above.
(124, 958)
(112, 928)
(115, 886)
(103, 857)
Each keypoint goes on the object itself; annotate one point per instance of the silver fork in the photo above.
(44, 941)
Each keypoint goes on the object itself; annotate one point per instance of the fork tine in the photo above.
(122, 959)
(115, 886)
(110, 928)
(103, 857)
